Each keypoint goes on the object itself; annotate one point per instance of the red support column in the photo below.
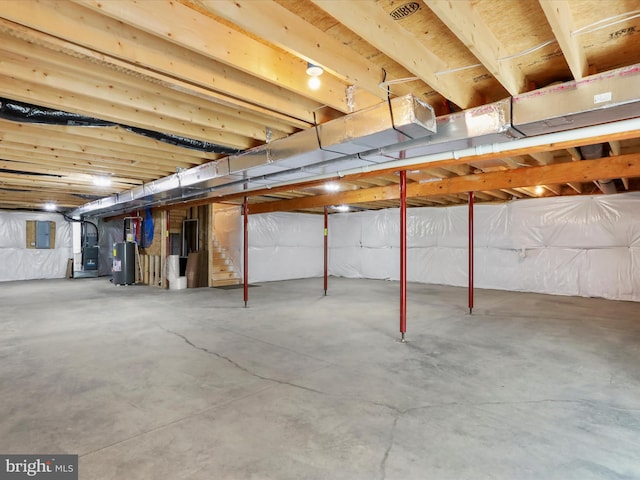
(246, 250)
(471, 265)
(403, 254)
(326, 248)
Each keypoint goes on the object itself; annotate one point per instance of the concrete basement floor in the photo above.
(151, 384)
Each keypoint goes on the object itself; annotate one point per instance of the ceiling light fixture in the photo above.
(539, 190)
(50, 207)
(102, 181)
(342, 208)
(314, 72)
(331, 187)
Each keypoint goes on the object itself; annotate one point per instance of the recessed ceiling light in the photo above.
(50, 207)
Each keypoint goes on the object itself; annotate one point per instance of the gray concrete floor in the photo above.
(151, 384)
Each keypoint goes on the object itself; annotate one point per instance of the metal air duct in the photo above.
(593, 100)
(482, 125)
(291, 158)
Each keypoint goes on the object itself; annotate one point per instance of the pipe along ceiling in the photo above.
(397, 132)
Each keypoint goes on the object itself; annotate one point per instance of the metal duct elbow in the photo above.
(593, 152)
(607, 187)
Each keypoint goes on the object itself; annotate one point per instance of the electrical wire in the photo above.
(607, 22)
(458, 69)
(385, 83)
(528, 51)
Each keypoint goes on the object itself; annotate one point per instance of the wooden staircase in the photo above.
(222, 270)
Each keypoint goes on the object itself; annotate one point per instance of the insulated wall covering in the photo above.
(20, 263)
(285, 245)
(583, 246)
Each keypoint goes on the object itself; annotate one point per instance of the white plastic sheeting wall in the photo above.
(17, 262)
(584, 246)
(284, 246)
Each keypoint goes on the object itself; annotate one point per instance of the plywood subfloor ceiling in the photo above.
(232, 73)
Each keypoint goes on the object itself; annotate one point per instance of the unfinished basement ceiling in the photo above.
(232, 74)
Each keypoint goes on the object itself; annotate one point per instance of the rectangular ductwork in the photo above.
(291, 158)
(482, 125)
(593, 100)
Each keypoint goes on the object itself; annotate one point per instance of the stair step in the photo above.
(223, 268)
(228, 281)
(221, 261)
(223, 275)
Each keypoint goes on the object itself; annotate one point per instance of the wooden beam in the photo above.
(92, 155)
(81, 176)
(555, 188)
(81, 162)
(120, 146)
(178, 24)
(475, 158)
(559, 16)
(64, 97)
(587, 170)
(615, 149)
(543, 158)
(574, 153)
(576, 186)
(463, 19)
(302, 39)
(116, 139)
(375, 194)
(79, 32)
(499, 194)
(625, 183)
(373, 24)
(57, 70)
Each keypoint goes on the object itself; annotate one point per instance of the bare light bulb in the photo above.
(314, 83)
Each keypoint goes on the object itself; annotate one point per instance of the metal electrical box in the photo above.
(43, 234)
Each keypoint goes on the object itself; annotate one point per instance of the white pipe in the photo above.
(528, 142)
(403, 164)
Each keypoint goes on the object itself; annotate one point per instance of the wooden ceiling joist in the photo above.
(559, 16)
(114, 44)
(373, 23)
(463, 19)
(205, 36)
(232, 73)
(293, 34)
(587, 170)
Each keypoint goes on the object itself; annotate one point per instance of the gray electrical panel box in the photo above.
(43, 234)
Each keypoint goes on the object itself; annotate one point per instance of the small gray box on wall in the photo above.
(43, 234)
